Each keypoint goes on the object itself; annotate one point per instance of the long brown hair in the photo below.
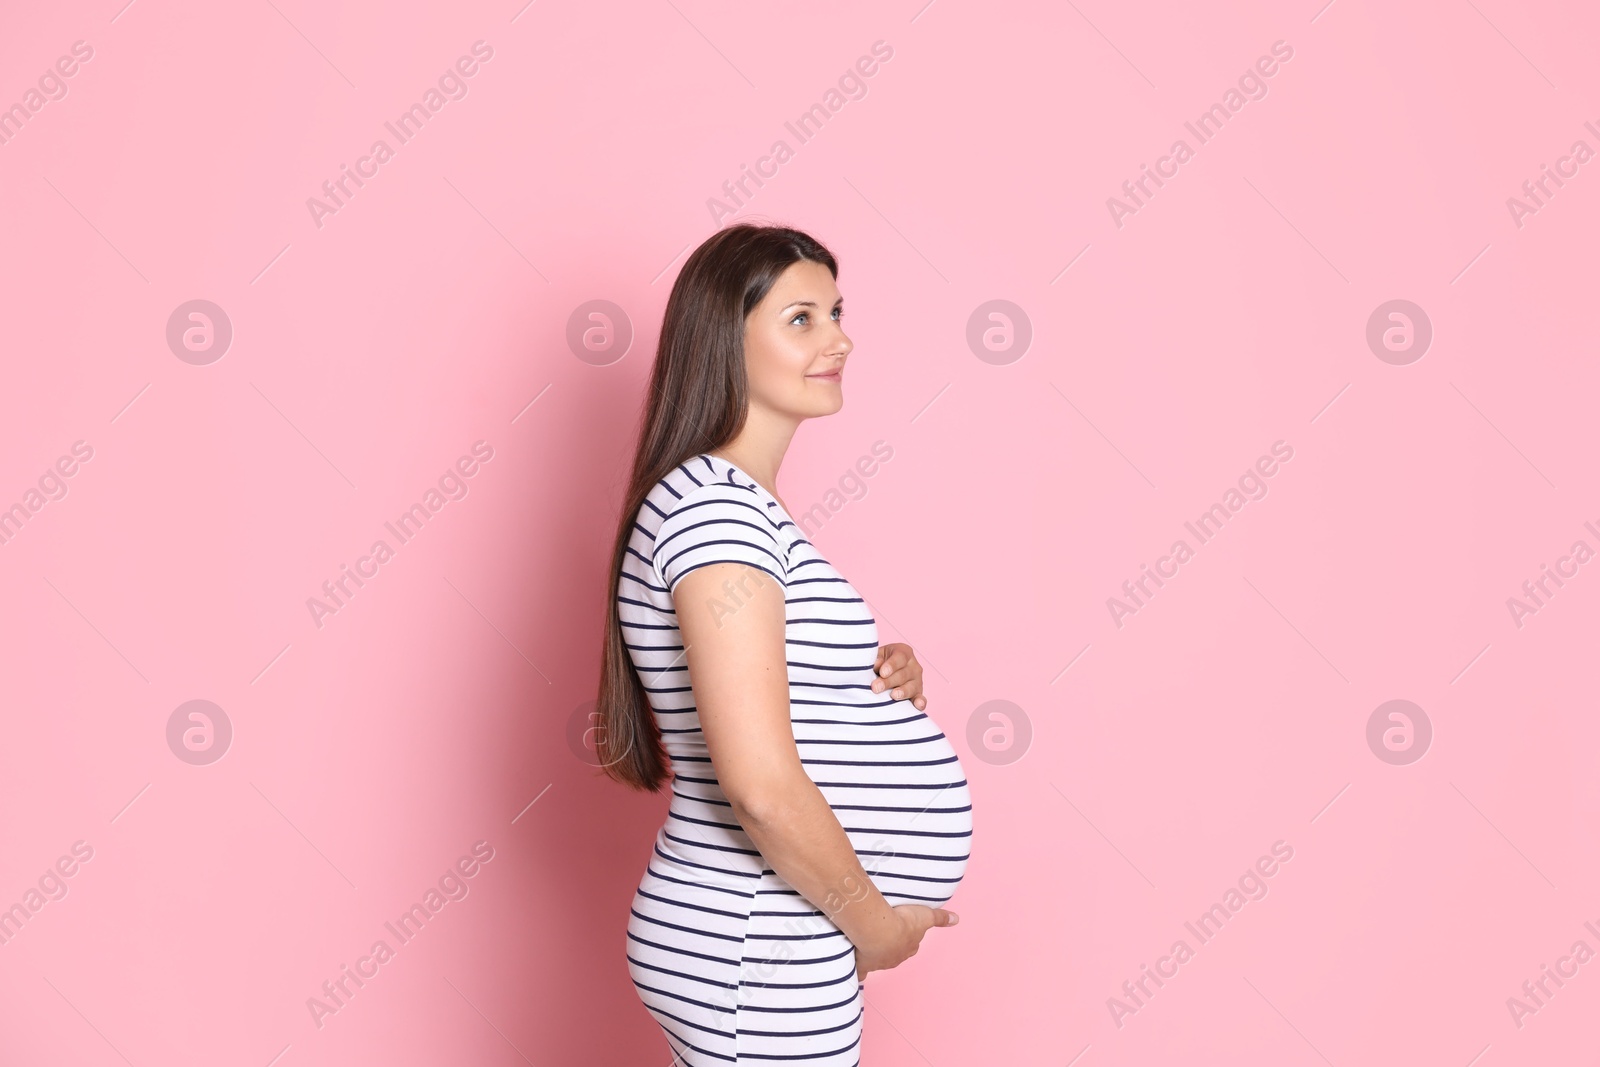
(698, 398)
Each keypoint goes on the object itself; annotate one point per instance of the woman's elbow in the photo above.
(767, 802)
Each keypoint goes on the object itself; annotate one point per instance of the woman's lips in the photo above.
(831, 376)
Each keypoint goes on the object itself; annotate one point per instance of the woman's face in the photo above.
(795, 346)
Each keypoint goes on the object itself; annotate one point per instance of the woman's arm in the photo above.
(731, 617)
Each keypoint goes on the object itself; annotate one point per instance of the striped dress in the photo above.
(735, 965)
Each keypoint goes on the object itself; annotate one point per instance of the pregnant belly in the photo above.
(899, 790)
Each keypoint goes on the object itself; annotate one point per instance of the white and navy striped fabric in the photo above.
(735, 965)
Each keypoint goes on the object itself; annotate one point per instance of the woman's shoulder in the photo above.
(698, 520)
(697, 482)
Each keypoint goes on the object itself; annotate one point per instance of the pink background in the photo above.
(368, 354)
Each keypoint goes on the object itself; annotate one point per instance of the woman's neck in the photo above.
(758, 450)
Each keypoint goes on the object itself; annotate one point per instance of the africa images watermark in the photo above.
(52, 86)
(52, 885)
(755, 973)
(851, 86)
(452, 485)
(1252, 885)
(1536, 993)
(52, 485)
(1579, 554)
(1537, 191)
(1252, 485)
(851, 486)
(452, 85)
(1251, 86)
(452, 886)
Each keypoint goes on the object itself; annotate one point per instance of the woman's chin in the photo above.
(828, 407)
(824, 397)
(817, 400)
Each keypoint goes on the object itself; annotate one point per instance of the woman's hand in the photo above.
(897, 670)
(902, 942)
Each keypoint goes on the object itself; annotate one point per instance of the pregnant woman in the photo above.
(818, 817)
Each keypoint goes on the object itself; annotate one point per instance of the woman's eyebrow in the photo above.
(808, 303)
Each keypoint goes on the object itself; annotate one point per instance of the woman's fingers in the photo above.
(930, 917)
(892, 662)
(927, 917)
(919, 919)
(896, 670)
(903, 687)
(905, 678)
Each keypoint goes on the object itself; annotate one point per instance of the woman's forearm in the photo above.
(800, 837)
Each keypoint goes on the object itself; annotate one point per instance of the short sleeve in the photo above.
(718, 523)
